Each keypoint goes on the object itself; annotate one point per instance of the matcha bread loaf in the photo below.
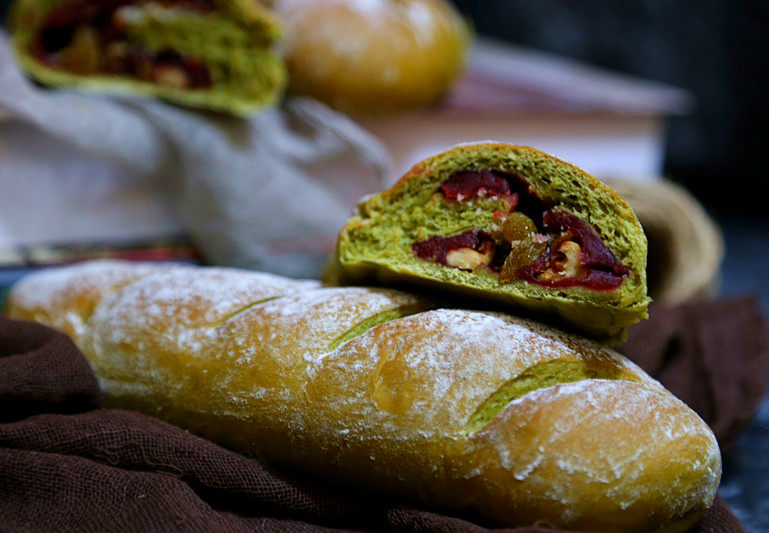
(211, 54)
(505, 419)
(508, 224)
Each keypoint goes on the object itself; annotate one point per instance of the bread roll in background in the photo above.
(373, 56)
(382, 390)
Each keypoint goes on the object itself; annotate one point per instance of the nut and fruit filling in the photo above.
(536, 241)
(88, 37)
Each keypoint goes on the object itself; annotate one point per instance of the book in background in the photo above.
(606, 123)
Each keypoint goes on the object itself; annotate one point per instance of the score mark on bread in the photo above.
(540, 376)
(380, 318)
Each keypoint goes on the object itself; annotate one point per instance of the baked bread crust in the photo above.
(380, 389)
(375, 246)
(234, 42)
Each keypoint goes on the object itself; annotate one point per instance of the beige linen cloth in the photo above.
(269, 192)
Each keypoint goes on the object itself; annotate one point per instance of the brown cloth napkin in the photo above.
(67, 464)
(711, 354)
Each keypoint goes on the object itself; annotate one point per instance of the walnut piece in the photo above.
(467, 258)
(170, 76)
(565, 263)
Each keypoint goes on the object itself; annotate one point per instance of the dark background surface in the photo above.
(745, 482)
(719, 50)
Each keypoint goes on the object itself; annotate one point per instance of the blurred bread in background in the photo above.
(373, 56)
(215, 55)
(685, 244)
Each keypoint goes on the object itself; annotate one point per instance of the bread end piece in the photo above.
(654, 456)
(376, 243)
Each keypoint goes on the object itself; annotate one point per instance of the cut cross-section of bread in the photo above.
(212, 54)
(510, 224)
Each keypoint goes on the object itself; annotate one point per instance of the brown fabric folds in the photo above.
(711, 354)
(66, 464)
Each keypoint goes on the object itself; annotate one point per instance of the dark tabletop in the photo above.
(745, 484)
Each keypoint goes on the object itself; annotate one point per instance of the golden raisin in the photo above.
(83, 54)
(518, 227)
(523, 253)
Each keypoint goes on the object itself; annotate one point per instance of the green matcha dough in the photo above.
(208, 54)
(504, 224)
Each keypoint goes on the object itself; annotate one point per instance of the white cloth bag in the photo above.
(269, 192)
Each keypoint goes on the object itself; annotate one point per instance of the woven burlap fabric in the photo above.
(67, 464)
(685, 250)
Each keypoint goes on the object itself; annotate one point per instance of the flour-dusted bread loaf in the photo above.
(211, 54)
(381, 390)
(508, 224)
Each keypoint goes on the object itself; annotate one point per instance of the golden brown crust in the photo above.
(331, 381)
(373, 56)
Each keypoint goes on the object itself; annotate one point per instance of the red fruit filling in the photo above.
(601, 270)
(88, 37)
(469, 183)
(555, 247)
(437, 248)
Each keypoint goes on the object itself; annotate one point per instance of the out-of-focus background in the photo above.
(717, 50)
(664, 100)
(713, 49)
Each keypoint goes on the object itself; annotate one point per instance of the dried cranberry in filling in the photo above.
(594, 251)
(603, 271)
(602, 280)
(435, 248)
(467, 183)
